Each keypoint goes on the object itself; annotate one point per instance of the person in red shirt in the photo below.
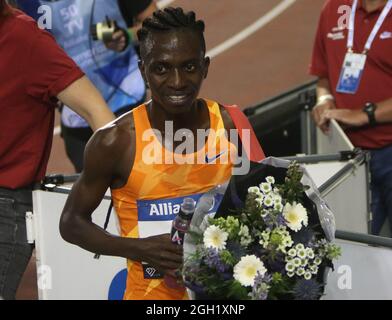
(352, 59)
(34, 73)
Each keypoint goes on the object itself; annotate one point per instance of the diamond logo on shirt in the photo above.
(385, 35)
(150, 271)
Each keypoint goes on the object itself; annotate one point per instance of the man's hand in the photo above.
(348, 118)
(161, 253)
(318, 114)
(119, 41)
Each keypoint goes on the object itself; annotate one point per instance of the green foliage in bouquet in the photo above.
(293, 190)
(267, 250)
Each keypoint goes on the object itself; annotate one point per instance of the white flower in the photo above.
(295, 215)
(265, 238)
(317, 261)
(214, 237)
(268, 201)
(278, 207)
(301, 253)
(290, 274)
(304, 262)
(282, 249)
(260, 200)
(266, 234)
(264, 213)
(244, 231)
(245, 241)
(277, 198)
(247, 269)
(288, 242)
(265, 187)
(255, 190)
(308, 275)
(313, 269)
(244, 234)
(290, 267)
(310, 253)
(300, 272)
(297, 262)
(299, 246)
(292, 252)
(270, 179)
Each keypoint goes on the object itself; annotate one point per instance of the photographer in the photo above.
(110, 63)
(34, 74)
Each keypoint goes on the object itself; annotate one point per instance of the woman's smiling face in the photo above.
(174, 66)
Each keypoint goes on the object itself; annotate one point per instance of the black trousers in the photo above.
(15, 252)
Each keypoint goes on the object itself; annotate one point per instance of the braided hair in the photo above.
(170, 19)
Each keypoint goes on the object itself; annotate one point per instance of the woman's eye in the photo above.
(190, 67)
(160, 69)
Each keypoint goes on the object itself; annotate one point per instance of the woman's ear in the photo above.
(206, 66)
(143, 73)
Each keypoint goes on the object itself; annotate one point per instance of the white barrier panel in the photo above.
(363, 273)
(348, 201)
(334, 141)
(65, 271)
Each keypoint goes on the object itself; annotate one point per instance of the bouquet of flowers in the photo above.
(272, 248)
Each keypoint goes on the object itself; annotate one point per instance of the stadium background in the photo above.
(259, 48)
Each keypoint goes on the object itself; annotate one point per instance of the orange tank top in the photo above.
(159, 181)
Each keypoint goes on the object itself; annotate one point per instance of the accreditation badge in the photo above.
(351, 74)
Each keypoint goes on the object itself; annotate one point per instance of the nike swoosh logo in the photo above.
(209, 160)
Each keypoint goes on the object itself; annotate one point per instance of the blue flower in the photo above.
(307, 290)
(261, 287)
(277, 264)
(235, 249)
(281, 221)
(213, 260)
(269, 221)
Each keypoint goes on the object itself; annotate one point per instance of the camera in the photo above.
(103, 31)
